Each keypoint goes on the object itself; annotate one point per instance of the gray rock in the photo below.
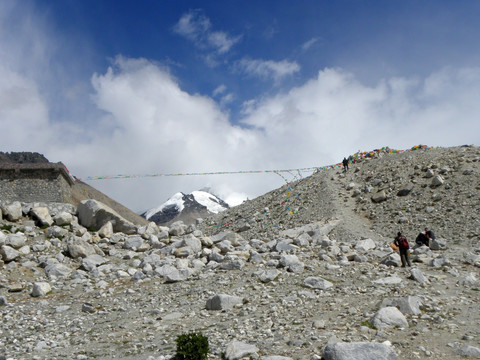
(192, 242)
(470, 258)
(12, 211)
(438, 244)
(358, 351)
(57, 270)
(440, 262)
(237, 350)
(92, 261)
(285, 246)
(133, 242)
(88, 308)
(267, 276)
(178, 228)
(223, 302)
(364, 246)
(469, 351)
(388, 280)
(94, 214)
(225, 246)
(42, 215)
(379, 197)
(106, 231)
(291, 263)
(176, 275)
(317, 283)
(275, 357)
(8, 253)
(234, 264)
(437, 181)
(408, 305)
(404, 191)
(63, 218)
(77, 247)
(16, 241)
(389, 317)
(56, 232)
(3, 301)
(417, 275)
(183, 252)
(40, 289)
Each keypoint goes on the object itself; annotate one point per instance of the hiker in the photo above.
(403, 246)
(421, 240)
(345, 164)
(429, 234)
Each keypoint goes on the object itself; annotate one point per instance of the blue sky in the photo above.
(111, 87)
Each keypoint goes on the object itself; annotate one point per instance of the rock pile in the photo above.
(308, 275)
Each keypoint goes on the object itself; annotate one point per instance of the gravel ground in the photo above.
(124, 309)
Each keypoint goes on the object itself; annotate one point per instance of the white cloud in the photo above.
(308, 44)
(150, 125)
(219, 90)
(196, 27)
(268, 68)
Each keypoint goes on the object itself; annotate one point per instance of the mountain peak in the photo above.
(186, 207)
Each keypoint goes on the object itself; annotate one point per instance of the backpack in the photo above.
(403, 243)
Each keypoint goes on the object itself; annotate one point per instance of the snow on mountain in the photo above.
(186, 207)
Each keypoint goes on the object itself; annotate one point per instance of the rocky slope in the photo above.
(302, 272)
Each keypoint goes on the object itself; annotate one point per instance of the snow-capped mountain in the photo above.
(186, 207)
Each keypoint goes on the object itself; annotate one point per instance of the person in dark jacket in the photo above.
(345, 164)
(403, 246)
(429, 234)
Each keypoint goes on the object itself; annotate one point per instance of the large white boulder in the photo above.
(93, 214)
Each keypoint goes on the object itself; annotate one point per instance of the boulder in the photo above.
(267, 276)
(469, 351)
(12, 211)
(438, 244)
(437, 181)
(408, 305)
(92, 261)
(16, 241)
(42, 215)
(223, 302)
(56, 270)
(389, 317)
(8, 253)
(317, 283)
(133, 242)
(379, 197)
(358, 351)
(291, 263)
(63, 218)
(417, 275)
(364, 246)
(237, 350)
(94, 214)
(405, 190)
(40, 289)
(106, 231)
(77, 247)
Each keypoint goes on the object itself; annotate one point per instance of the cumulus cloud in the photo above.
(196, 27)
(268, 69)
(146, 124)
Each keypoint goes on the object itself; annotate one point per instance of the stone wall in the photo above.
(35, 183)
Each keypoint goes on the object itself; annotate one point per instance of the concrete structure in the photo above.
(35, 182)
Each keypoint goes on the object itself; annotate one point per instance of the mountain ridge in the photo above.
(186, 207)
